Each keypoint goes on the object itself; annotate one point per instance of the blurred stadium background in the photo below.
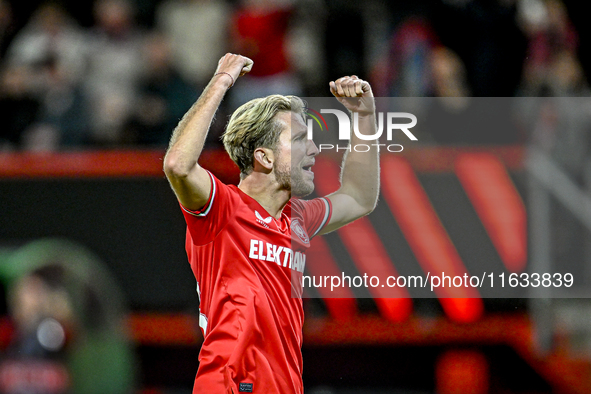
(97, 293)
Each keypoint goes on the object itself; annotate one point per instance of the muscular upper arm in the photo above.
(345, 209)
(193, 188)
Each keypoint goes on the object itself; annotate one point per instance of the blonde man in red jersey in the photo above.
(239, 238)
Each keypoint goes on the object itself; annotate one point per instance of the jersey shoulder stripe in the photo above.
(205, 210)
(327, 214)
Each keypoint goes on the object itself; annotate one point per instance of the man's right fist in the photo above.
(235, 65)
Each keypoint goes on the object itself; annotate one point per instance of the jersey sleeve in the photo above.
(206, 223)
(315, 213)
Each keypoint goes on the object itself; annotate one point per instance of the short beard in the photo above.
(292, 181)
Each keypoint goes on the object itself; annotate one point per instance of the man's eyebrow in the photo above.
(299, 134)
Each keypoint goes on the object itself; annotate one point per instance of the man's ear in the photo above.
(264, 157)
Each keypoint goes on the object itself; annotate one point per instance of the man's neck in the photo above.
(266, 192)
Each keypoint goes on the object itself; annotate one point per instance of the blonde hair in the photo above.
(253, 125)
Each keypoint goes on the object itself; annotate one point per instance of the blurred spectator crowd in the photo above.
(127, 73)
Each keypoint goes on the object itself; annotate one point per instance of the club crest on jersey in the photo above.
(265, 222)
(298, 230)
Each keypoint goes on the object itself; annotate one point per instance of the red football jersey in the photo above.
(248, 269)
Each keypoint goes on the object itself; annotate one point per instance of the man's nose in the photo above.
(312, 148)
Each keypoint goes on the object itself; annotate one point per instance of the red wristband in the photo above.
(228, 74)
